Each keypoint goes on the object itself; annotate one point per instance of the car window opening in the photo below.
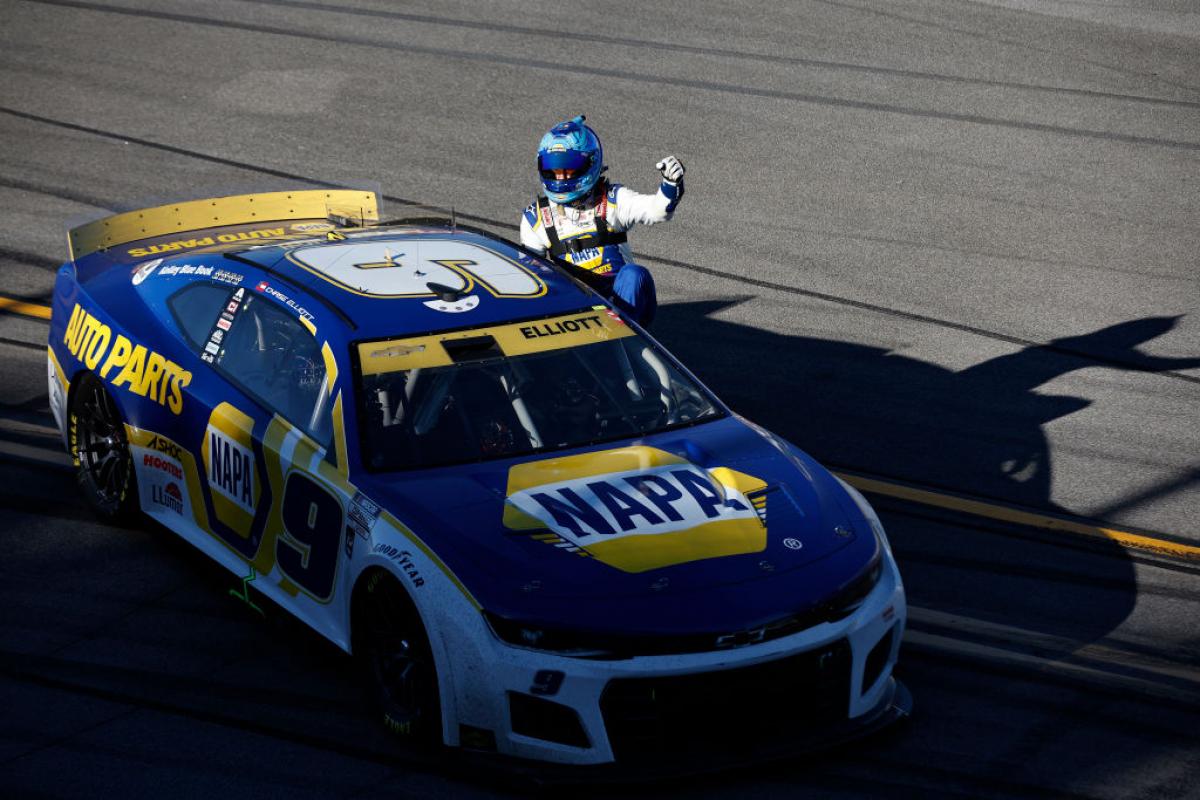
(484, 404)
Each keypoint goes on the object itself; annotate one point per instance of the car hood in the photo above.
(708, 528)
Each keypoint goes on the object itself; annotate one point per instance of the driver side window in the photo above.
(263, 350)
(275, 359)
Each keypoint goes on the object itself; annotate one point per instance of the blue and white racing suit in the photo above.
(591, 235)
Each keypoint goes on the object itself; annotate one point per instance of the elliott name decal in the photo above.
(561, 327)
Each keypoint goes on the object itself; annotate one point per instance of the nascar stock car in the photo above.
(537, 532)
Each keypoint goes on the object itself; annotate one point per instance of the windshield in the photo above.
(517, 388)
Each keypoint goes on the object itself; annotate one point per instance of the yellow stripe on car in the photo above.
(522, 338)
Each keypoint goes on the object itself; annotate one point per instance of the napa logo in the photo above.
(231, 468)
(636, 508)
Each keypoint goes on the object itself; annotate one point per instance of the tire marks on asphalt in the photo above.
(28, 258)
(738, 280)
(991, 37)
(492, 26)
(55, 191)
(636, 77)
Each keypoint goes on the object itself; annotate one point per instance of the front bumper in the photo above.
(894, 705)
(801, 692)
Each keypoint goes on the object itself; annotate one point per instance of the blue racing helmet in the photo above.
(573, 150)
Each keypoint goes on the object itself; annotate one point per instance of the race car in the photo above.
(536, 531)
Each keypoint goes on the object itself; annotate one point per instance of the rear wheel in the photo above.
(397, 661)
(104, 466)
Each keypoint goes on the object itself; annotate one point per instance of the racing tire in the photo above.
(397, 662)
(100, 452)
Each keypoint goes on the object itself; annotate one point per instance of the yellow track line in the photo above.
(1134, 541)
(21, 307)
(979, 508)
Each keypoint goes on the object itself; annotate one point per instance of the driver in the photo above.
(576, 411)
(582, 218)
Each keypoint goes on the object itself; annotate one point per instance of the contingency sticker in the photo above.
(216, 336)
(167, 477)
(360, 519)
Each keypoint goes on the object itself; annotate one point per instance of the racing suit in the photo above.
(591, 236)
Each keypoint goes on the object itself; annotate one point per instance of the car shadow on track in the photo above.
(977, 431)
(981, 725)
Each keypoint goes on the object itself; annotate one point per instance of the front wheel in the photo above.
(397, 661)
(100, 451)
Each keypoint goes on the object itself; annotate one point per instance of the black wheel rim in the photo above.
(401, 665)
(102, 450)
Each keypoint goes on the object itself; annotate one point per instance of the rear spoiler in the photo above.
(354, 207)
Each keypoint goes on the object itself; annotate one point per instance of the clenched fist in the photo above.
(671, 169)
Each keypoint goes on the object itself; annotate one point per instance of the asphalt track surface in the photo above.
(951, 246)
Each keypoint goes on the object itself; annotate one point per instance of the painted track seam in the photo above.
(1078, 526)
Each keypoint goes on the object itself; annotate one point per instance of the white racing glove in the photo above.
(671, 169)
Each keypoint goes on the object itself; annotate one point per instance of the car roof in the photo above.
(406, 280)
(379, 282)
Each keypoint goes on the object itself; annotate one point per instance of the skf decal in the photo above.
(636, 508)
(205, 241)
(231, 468)
(125, 364)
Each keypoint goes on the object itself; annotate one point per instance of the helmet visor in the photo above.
(564, 165)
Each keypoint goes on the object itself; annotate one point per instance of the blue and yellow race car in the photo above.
(536, 531)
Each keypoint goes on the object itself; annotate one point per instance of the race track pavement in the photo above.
(947, 247)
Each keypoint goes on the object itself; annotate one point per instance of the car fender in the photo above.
(450, 614)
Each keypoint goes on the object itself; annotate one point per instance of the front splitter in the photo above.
(895, 705)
